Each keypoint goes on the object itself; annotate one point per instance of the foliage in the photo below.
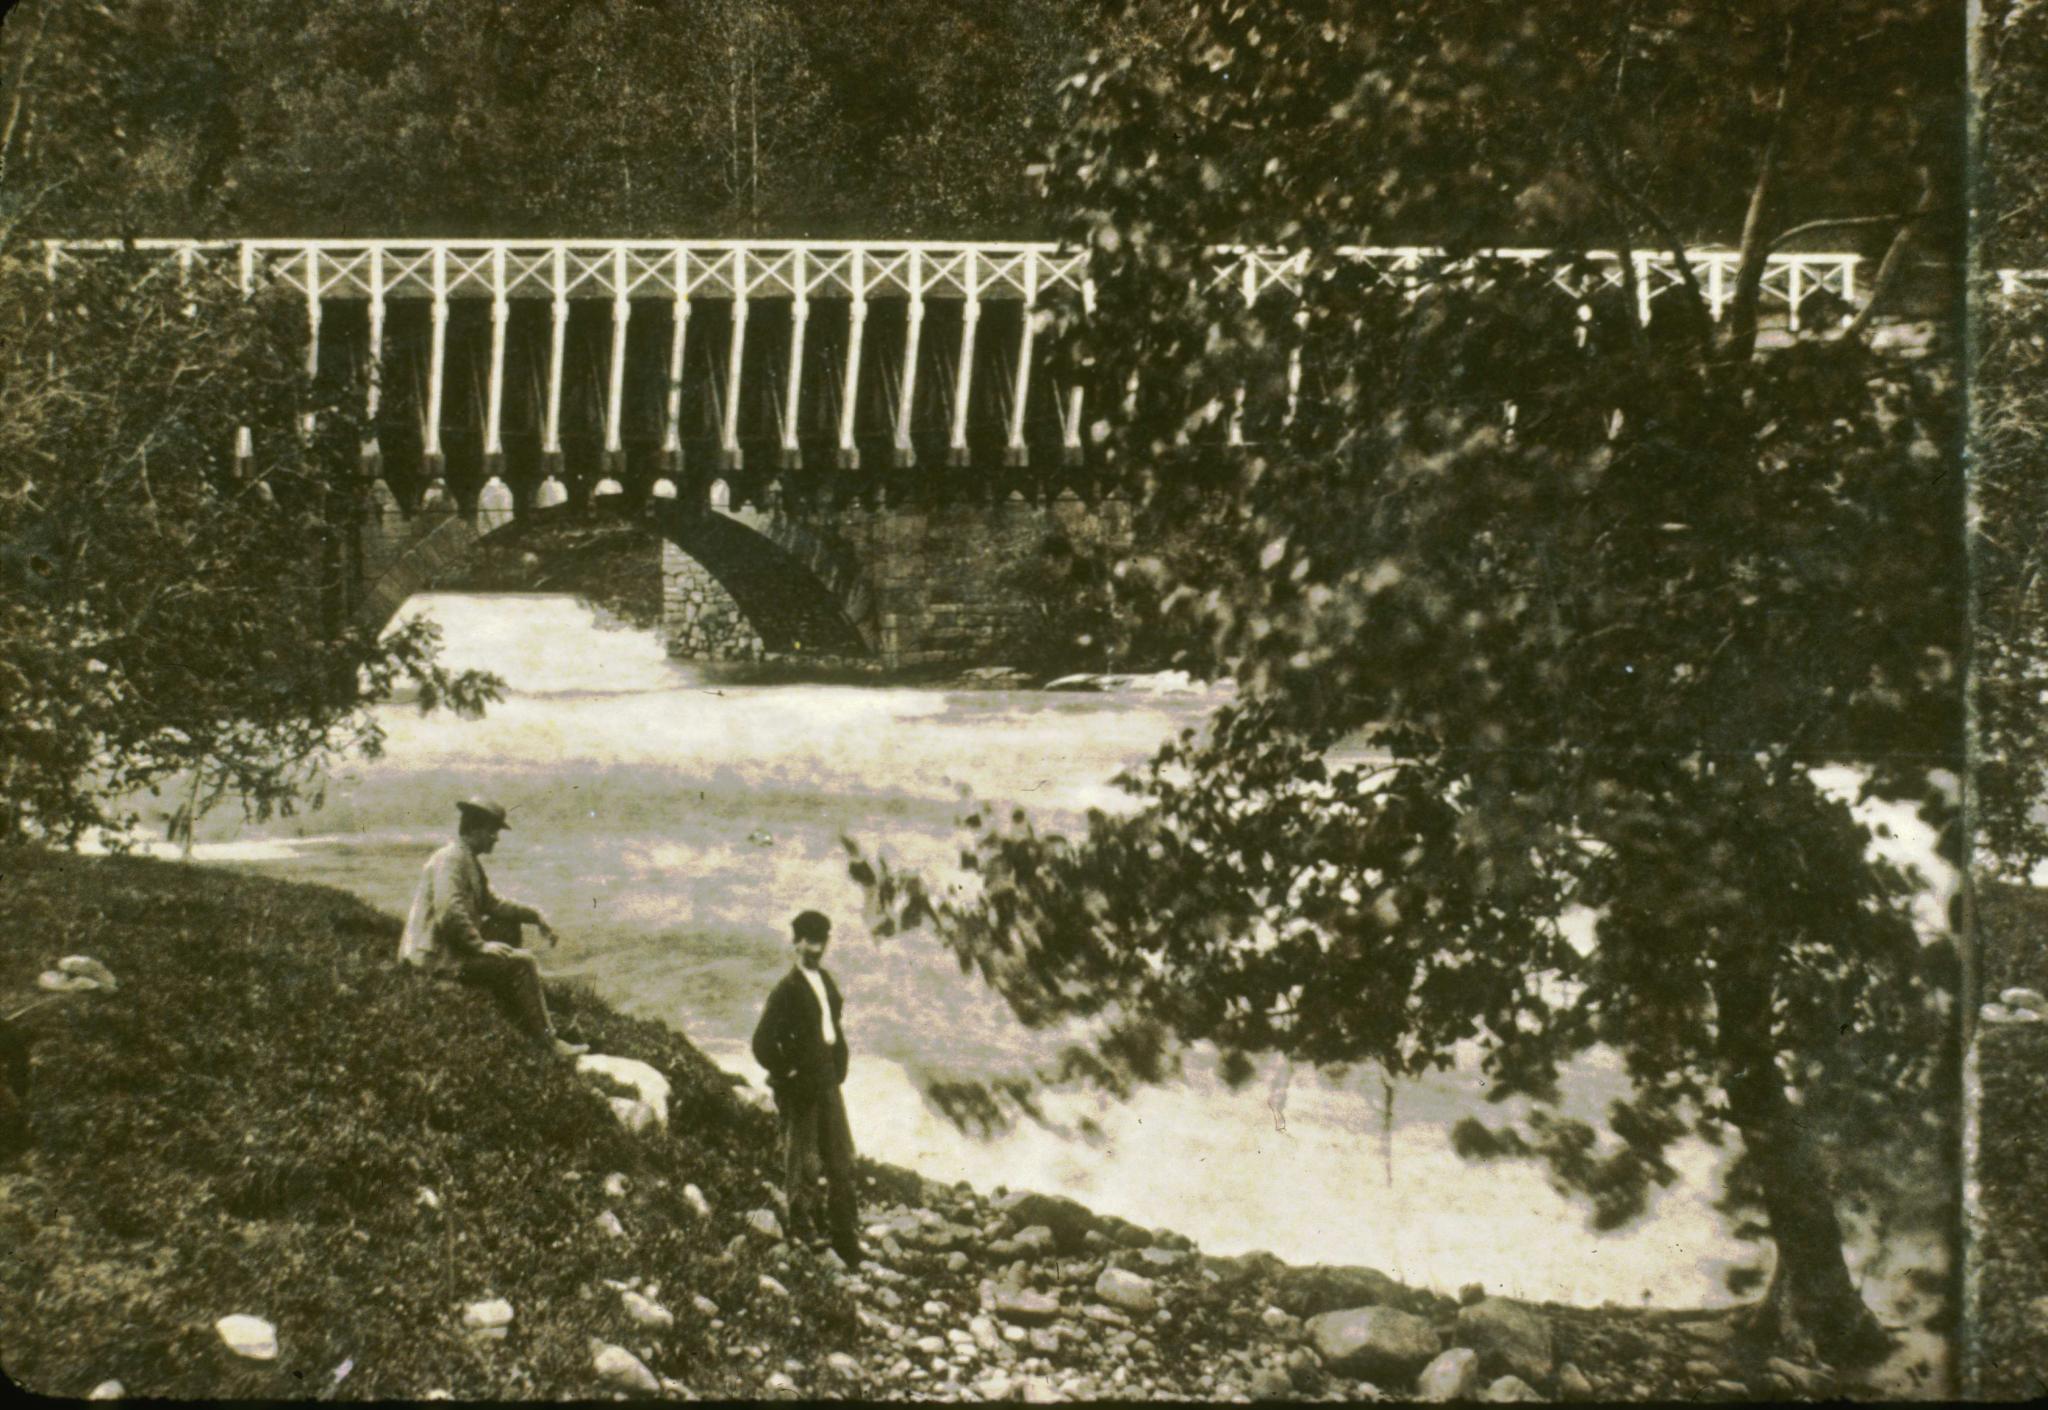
(162, 611)
(2009, 436)
(707, 118)
(1552, 620)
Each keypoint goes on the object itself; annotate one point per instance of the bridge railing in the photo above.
(815, 374)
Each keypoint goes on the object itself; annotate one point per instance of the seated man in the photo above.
(459, 929)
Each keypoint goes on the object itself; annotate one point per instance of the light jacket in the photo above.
(450, 908)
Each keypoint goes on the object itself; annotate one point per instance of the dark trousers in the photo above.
(513, 980)
(814, 1132)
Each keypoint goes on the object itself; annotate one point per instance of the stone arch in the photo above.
(770, 578)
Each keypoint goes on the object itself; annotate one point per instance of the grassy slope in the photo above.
(244, 1127)
(2011, 1336)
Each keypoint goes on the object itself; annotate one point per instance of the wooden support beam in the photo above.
(615, 393)
(799, 315)
(679, 328)
(963, 375)
(245, 441)
(1014, 451)
(904, 452)
(558, 328)
(373, 370)
(433, 463)
(494, 400)
(1070, 427)
(849, 392)
(730, 456)
(307, 421)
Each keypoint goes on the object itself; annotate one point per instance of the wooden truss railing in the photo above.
(738, 274)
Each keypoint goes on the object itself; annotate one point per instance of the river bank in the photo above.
(267, 1119)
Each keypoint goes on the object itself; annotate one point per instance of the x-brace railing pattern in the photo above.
(739, 273)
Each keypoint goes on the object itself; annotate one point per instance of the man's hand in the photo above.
(548, 932)
(500, 949)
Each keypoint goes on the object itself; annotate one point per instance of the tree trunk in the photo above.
(1740, 339)
(1812, 1308)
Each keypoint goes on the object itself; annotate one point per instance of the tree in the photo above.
(164, 611)
(2009, 438)
(1586, 603)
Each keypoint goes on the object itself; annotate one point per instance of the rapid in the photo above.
(671, 823)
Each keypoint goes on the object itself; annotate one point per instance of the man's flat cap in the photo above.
(484, 809)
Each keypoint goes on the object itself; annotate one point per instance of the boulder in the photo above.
(488, 1320)
(1037, 1390)
(107, 1390)
(772, 1287)
(615, 1186)
(609, 1225)
(1453, 1375)
(248, 1336)
(1508, 1390)
(86, 967)
(1234, 1270)
(1271, 1383)
(2011, 998)
(1068, 1220)
(840, 1364)
(1025, 1306)
(1377, 1343)
(764, 1223)
(704, 1306)
(1804, 1379)
(650, 1089)
(1036, 1240)
(646, 1312)
(1322, 1288)
(1572, 1383)
(617, 1366)
(699, 1205)
(1512, 1339)
(1128, 1291)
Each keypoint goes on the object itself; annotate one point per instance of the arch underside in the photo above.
(779, 595)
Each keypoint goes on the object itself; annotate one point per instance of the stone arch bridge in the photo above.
(845, 446)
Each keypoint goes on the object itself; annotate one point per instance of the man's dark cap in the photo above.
(811, 925)
(478, 808)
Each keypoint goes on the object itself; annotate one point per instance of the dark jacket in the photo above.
(789, 1040)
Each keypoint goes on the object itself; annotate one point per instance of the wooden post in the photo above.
(1793, 293)
(494, 400)
(729, 454)
(615, 399)
(799, 315)
(1716, 285)
(433, 464)
(373, 371)
(552, 491)
(904, 453)
(963, 375)
(1014, 452)
(1070, 429)
(307, 421)
(849, 393)
(679, 327)
(245, 441)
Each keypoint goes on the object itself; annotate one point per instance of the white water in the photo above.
(671, 825)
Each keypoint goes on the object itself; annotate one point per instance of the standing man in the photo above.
(800, 1041)
(459, 929)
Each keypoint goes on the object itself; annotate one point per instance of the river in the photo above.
(671, 823)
